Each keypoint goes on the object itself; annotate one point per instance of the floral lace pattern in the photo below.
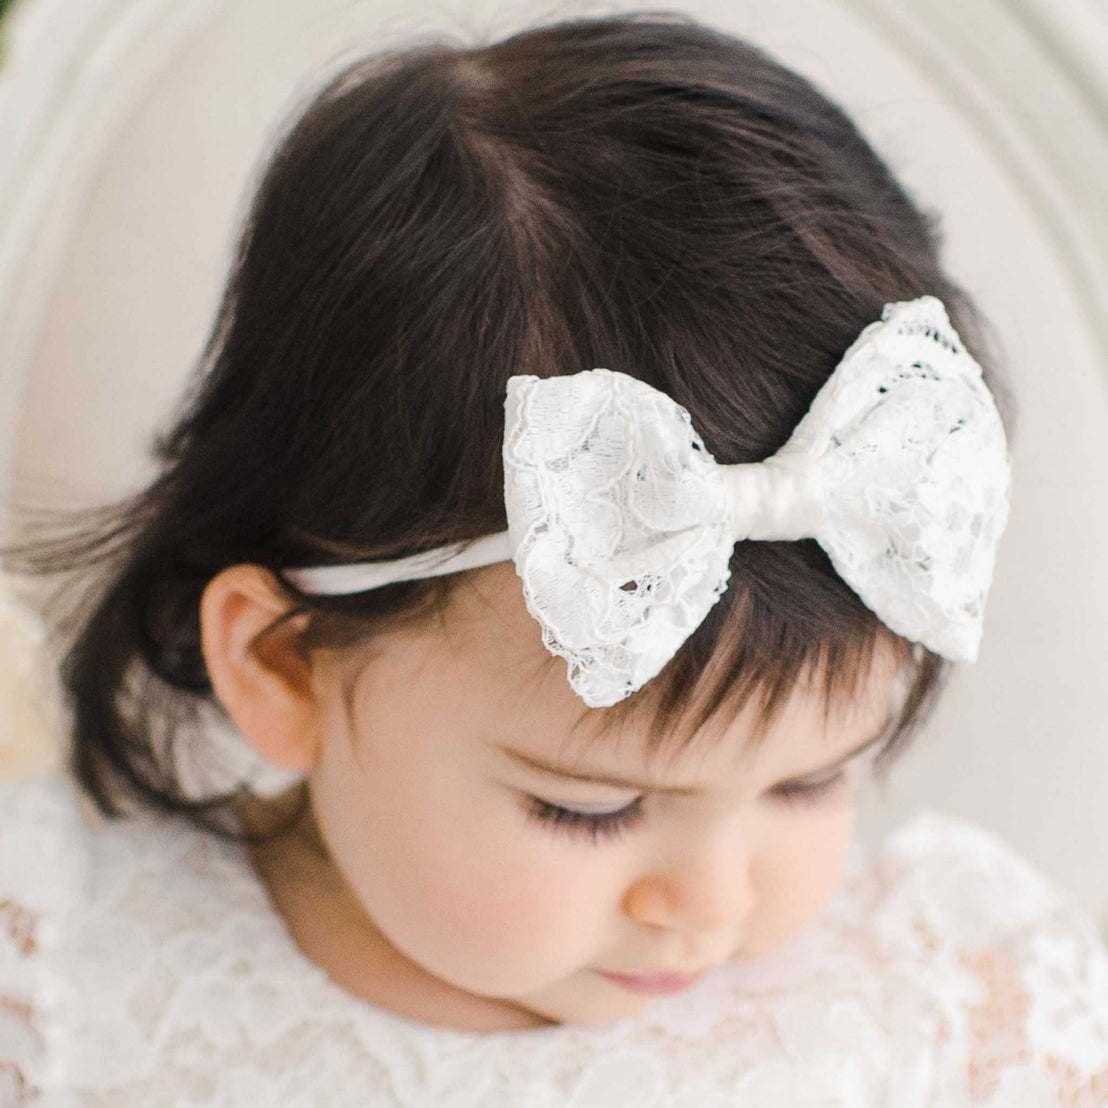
(622, 525)
(141, 965)
(618, 518)
(913, 467)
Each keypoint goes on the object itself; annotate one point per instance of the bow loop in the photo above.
(619, 523)
(915, 472)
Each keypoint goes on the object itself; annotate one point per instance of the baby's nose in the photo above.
(707, 889)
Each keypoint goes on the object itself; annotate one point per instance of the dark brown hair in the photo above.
(637, 192)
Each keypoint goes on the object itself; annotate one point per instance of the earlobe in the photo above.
(259, 669)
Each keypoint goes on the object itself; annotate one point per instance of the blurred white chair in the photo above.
(129, 130)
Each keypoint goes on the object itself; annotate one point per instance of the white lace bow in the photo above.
(621, 524)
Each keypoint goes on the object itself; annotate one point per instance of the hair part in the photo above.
(636, 192)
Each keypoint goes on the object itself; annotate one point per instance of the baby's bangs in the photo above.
(785, 621)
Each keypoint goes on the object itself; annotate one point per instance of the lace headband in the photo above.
(621, 524)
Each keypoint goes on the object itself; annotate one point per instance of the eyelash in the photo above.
(608, 825)
(596, 826)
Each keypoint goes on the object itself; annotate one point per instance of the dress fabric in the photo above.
(141, 966)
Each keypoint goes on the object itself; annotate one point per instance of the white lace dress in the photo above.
(142, 966)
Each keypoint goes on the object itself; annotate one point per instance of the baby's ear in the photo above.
(260, 670)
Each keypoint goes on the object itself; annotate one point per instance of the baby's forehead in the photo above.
(489, 631)
(487, 612)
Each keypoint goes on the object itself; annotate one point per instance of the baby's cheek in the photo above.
(499, 902)
(797, 877)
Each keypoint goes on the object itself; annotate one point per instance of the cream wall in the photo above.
(129, 130)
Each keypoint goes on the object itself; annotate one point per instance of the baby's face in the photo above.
(496, 854)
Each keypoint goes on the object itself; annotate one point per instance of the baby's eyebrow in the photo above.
(555, 770)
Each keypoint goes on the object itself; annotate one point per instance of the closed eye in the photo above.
(598, 826)
(591, 825)
(812, 792)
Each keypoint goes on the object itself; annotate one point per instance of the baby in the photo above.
(590, 477)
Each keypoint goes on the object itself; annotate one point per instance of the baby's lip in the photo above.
(653, 982)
